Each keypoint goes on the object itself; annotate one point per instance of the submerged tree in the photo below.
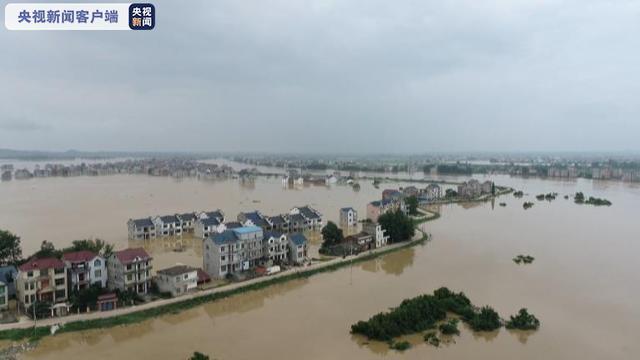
(399, 227)
(331, 235)
(10, 249)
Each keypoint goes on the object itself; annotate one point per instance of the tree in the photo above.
(450, 193)
(47, 250)
(199, 356)
(331, 235)
(97, 246)
(10, 250)
(398, 226)
(412, 204)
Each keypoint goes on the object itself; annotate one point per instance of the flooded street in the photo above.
(582, 284)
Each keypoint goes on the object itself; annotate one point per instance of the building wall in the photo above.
(178, 285)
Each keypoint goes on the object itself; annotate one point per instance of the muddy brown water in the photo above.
(582, 284)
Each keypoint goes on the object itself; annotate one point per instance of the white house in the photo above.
(297, 248)
(378, 233)
(177, 280)
(348, 216)
(85, 268)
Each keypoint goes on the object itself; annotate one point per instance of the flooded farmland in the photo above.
(582, 285)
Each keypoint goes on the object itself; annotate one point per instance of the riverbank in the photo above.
(135, 314)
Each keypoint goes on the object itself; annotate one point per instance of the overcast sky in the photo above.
(333, 76)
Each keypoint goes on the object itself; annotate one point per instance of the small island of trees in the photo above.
(523, 259)
(548, 197)
(527, 205)
(579, 198)
(427, 312)
(518, 194)
(523, 321)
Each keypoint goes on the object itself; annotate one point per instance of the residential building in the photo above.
(433, 192)
(216, 214)
(297, 248)
(8, 275)
(312, 217)
(254, 218)
(348, 216)
(380, 207)
(392, 194)
(203, 228)
(43, 280)
(84, 269)
(187, 220)
(168, 225)
(177, 280)
(130, 270)
(360, 241)
(470, 189)
(296, 222)
(410, 191)
(278, 223)
(275, 246)
(141, 229)
(379, 234)
(232, 251)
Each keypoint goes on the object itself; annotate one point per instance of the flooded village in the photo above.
(161, 226)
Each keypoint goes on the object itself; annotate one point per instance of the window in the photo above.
(186, 276)
(30, 274)
(97, 263)
(221, 248)
(59, 282)
(223, 268)
(129, 277)
(26, 299)
(222, 258)
(129, 267)
(97, 273)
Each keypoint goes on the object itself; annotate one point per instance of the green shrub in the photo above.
(401, 345)
(523, 321)
(450, 327)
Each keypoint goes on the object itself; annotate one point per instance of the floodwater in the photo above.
(582, 284)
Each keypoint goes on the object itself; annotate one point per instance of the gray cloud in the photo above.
(21, 125)
(361, 76)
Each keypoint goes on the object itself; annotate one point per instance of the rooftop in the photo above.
(177, 270)
(129, 255)
(46, 263)
(79, 256)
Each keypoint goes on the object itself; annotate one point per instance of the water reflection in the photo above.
(392, 264)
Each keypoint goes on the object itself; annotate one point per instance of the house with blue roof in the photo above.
(298, 246)
(253, 218)
(232, 251)
(141, 229)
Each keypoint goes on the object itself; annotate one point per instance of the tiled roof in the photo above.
(225, 237)
(278, 219)
(167, 219)
(187, 216)
(46, 263)
(296, 218)
(247, 229)
(210, 222)
(233, 225)
(146, 222)
(79, 256)
(270, 234)
(308, 213)
(127, 256)
(176, 270)
(298, 239)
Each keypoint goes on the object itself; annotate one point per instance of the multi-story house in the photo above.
(187, 220)
(378, 233)
(130, 270)
(141, 229)
(278, 223)
(168, 225)
(203, 228)
(216, 214)
(297, 248)
(312, 217)
(381, 207)
(177, 280)
(254, 218)
(296, 222)
(392, 194)
(433, 192)
(84, 269)
(274, 246)
(232, 251)
(348, 216)
(8, 275)
(43, 280)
